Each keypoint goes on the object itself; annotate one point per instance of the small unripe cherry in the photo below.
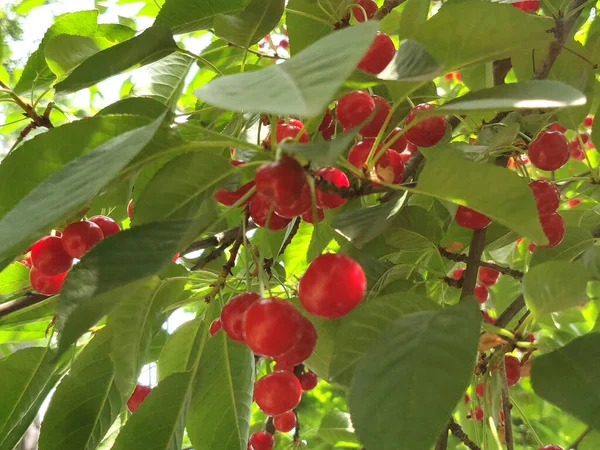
(139, 394)
(79, 237)
(369, 6)
(49, 257)
(232, 314)
(308, 380)
(469, 218)
(277, 392)
(487, 276)
(549, 150)
(286, 422)
(354, 108)
(281, 181)
(215, 326)
(428, 131)
(513, 369)
(551, 447)
(588, 122)
(106, 224)
(262, 440)
(230, 198)
(46, 284)
(481, 293)
(379, 55)
(382, 109)
(547, 197)
(303, 348)
(554, 229)
(261, 211)
(338, 178)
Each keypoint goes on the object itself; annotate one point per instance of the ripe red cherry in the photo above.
(390, 169)
(261, 440)
(588, 122)
(479, 390)
(286, 422)
(130, 208)
(379, 55)
(382, 109)
(337, 177)
(308, 380)
(309, 217)
(528, 5)
(229, 198)
(327, 127)
(467, 399)
(549, 150)
(295, 208)
(333, 285)
(139, 394)
(359, 153)
(469, 218)
(215, 326)
(277, 392)
(547, 197)
(290, 131)
(554, 229)
(399, 144)
(584, 137)
(487, 317)
(551, 447)
(49, 257)
(427, 132)
(281, 366)
(232, 314)
(457, 273)
(487, 276)
(575, 151)
(555, 126)
(513, 369)
(46, 284)
(303, 348)
(479, 414)
(79, 237)
(369, 6)
(354, 108)
(573, 202)
(281, 181)
(259, 209)
(481, 293)
(106, 224)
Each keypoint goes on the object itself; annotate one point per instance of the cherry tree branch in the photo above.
(386, 8)
(473, 260)
(579, 440)
(27, 300)
(510, 312)
(37, 120)
(517, 274)
(506, 408)
(457, 431)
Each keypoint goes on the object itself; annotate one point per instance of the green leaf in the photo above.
(570, 378)
(402, 367)
(183, 16)
(303, 85)
(68, 189)
(43, 310)
(359, 329)
(336, 428)
(179, 353)
(139, 106)
(413, 16)
(306, 24)
(476, 185)
(153, 44)
(554, 286)
(252, 24)
(323, 153)
(591, 261)
(86, 401)
(575, 242)
(411, 63)
(65, 52)
(14, 278)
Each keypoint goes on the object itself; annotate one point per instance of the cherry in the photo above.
(130, 208)
(399, 144)
(390, 169)
(295, 208)
(359, 153)
(106, 224)
(547, 197)
(427, 132)
(382, 110)
(308, 380)
(232, 314)
(467, 399)
(327, 121)
(27, 261)
(479, 414)
(457, 273)
(487, 276)
(481, 293)
(259, 209)
(469, 218)
(380, 54)
(284, 43)
(139, 394)
(282, 366)
(309, 217)
(215, 326)
(229, 198)
(338, 178)
(551, 447)
(487, 317)
(528, 5)
(303, 348)
(175, 257)
(262, 440)
(290, 131)
(354, 108)
(554, 229)
(285, 422)
(281, 181)
(369, 6)
(513, 369)
(588, 122)
(333, 285)
(584, 137)
(479, 390)
(79, 237)
(531, 247)
(549, 150)
(49, 257)
(46, 284)
(555, 126)
(573, 202)
(277, 392)
(575, 150)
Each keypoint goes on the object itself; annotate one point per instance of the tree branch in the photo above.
(506, 408)
(27, 300)
(457, 431)
(473, 260)
(37, 120)
(510, 312)
(386, 8)
(579, 440)
(216, 240)
(456, 257)
(442, 442)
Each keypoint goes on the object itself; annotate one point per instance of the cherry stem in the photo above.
(457, 431)
(580, 439)
(27, 300)
(506, 407)
(517, 274)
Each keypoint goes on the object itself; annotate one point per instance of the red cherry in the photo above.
(232, 314)
(229, 198)
(531, 247)
(513, 369)
(547, 197)
(427, 132)
(215, 326)
(308, 380)
(303, 348)
(259, 209)
(399, 144)
(551, 447)
(281, 366)
(338, 178)
(588, 122)
(530, 337)
(272, 327)
(555, 126)
(295, 208)
(261, 440)
(369, 6)
(130, 208)
(554, 229)
(481, 293)
(175, 257)
(281, 181)
(528, 5)
(487, 317)
(106, 224)
(457, 273)
(27, 261)
(237, 162)
(286, 422)
(479, 390)
(382, 109)
(449, 76)
(469, 218)
(46, 284)
(139, 394)
(309, 217)
(379, 55)
(479, 414)
(573, 202)
(277, 392)
(284, 43)
(290, 131)
(49, 257)
(333, 285)
(390, 169)
(359, 153)
(487, 276)
(328, 133)
(327, 121)
(467, 399)
(549, 150)
(354, 108)
(584, 137)
(79, 237)
(575, 150)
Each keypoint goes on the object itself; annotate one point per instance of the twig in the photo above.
(470, 273)
(580, 439)
(216, 240)
(506, 408)
(37, 120)
(297, 431)
(410, 169)
(17, 304)
(386, 8)
(457, 431)
(442, 442)
(254, 52)
(213, 255)
(456, 257)
(501, 67)
(510, 312)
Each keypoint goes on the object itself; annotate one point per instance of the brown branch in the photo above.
(213, 255)
(506, 408)
(579, 440)
(459, 257)
(386, 8)
(297, 430)
(473, 260)
(501, 67)
(442, 442)
(27, 300)
(37, 120)
(362, 190)
(510, 312)
(216, 240)
(462, 436)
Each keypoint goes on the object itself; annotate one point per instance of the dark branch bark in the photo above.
(28, 299)
(473, 260)
(579, 440)
(386, 8)
(501, 67)
(510, 312)
(464, 258)
(506, 408)
(442, 442)
(460, 434)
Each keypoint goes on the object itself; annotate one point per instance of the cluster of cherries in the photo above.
(486, 278)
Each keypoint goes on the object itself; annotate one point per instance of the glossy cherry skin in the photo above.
(106, 224)
(261, 440)
(427, 132)
(588, 122)
(399, 144)
(369, 6)
(547, 197)
(291, 132)
(215, 326)
(528, 5)
(573, 202)
(555, 126)
(259, 209)
(333, 285)
(554, 229)
(308, 380)
(327, 120)
(354, 108)
(139, 394)
(551, 447)
(303, 348)
(337, 177)
(469, 218)
(308, 216)
(232, 314)
(549, 150)
(457, 273)
(382, 109)
(130, 208)
(229, 198)
(296, 208)
(359, 153)
(390, 169)
(272, 327)
(49, 257)
(487, 276)
(481, 293)
(277, 392)
(79, 237)
(380, 54)
(513, 369)
(46, 284)
(281, 181)
(286, 422)
(575, 151)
